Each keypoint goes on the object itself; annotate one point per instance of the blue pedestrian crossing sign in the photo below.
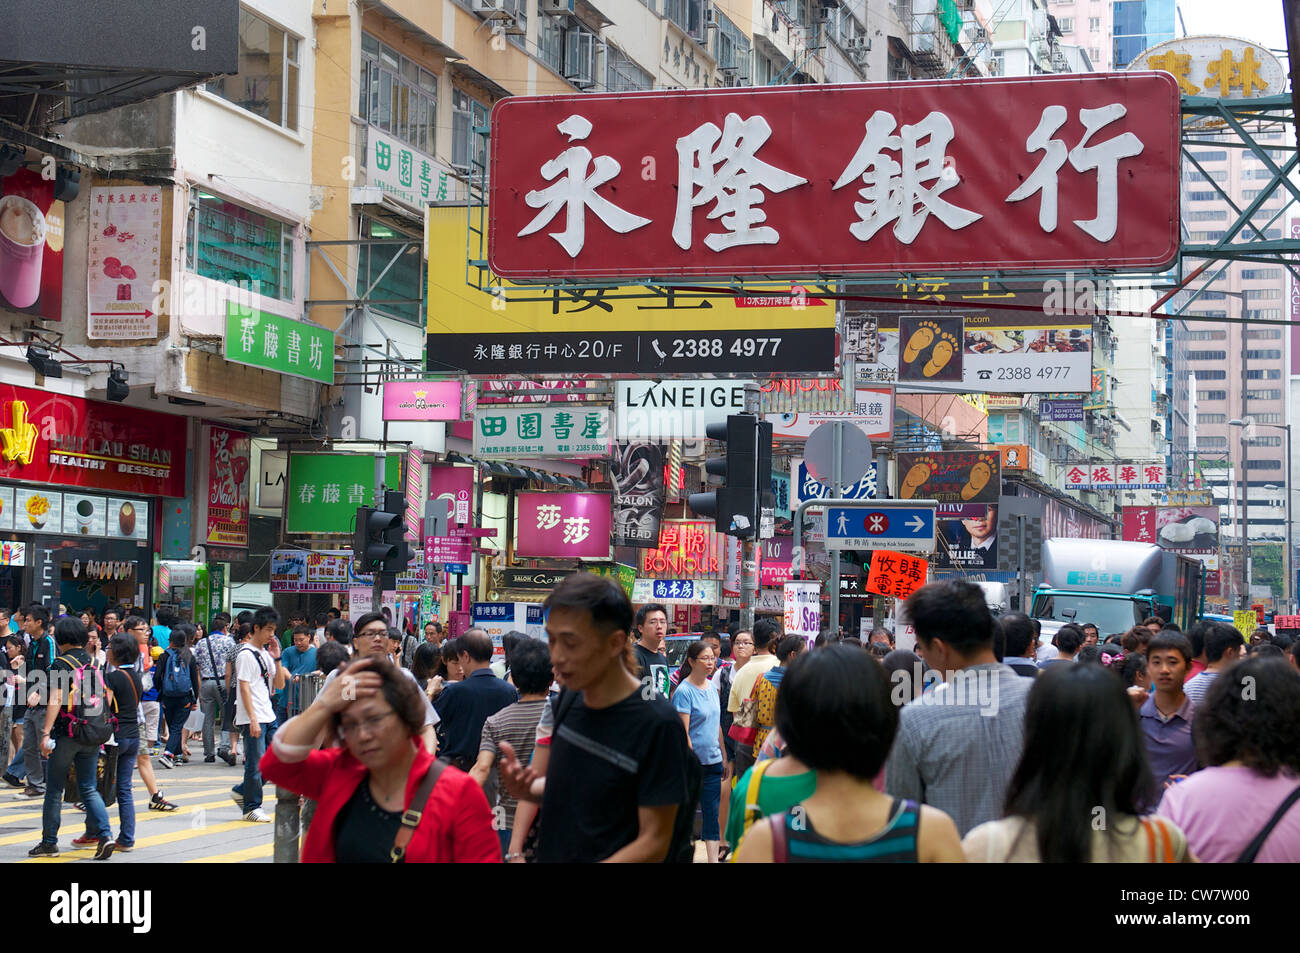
(904, 527)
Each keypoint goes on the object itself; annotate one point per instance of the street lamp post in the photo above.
(1287, 555)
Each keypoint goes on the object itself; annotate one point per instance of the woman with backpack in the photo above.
(178, 690)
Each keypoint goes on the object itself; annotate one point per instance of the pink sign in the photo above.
(422, 400)
(778, 557)
(448, 549)
(564, 525)
(456, 485)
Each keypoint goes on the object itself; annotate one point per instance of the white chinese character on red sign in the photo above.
(896, 193)
(1104, 158)
(576, 192)
(735, 186)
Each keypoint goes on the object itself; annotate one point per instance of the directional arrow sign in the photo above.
(905, 527)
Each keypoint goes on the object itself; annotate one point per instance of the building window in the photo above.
(1267, 314)
(1264, 375)
(1255, 294)
(622, 75)
(1202, 196)
(1213, 296)
(1263, 464)
(1211, 375)
(398, 95)
(1264, 441)
(689, 15)
(1211, 395)
(1208, 215)
(267, 82)
(1094, 24)
(1269, 354)
(402, 280)
(466, 114)
(1066, 24)
(1261, 274)
(1267, 418)
(1263, 395)
(230, 243)
(1209, 155)
(569, 49)
(1207, 314)
(1265, 334)
(731, 51)
(1210, 442)
(1206, 335)
(1211, 418)
(1207, 356)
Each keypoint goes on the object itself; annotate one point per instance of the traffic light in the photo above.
(378, 542)
(400, 553)
(747, 476)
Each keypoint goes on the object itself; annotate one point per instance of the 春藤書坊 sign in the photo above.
(1038, 172)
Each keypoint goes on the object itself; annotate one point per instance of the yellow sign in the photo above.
(1245, 621)
(677, 331)
(1216, 66)
(19, 438)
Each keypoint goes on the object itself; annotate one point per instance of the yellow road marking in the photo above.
(140, 819)
(236, 856)
(139, 805)
(157, 840)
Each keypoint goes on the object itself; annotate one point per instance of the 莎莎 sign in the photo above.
(1037, 172)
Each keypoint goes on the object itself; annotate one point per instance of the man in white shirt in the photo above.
(258, 673)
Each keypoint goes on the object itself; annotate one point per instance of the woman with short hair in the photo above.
(381, 797)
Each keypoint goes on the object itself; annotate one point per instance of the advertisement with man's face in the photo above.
(969, 536)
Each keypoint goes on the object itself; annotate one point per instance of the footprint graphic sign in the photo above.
(968, 476)
(930, 348)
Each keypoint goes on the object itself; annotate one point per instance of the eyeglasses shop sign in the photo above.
(675, 410)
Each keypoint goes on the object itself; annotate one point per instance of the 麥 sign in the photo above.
(1041, 172)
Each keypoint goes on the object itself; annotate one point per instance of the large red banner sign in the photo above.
(68, 441)
(1041, 172)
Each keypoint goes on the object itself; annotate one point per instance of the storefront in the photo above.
(91, 544)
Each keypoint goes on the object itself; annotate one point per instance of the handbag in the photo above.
(744, 727)
(105, 778)
(411, 816)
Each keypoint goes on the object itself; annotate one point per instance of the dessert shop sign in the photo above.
(68, 441)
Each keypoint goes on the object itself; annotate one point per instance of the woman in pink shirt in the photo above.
(1245, 805)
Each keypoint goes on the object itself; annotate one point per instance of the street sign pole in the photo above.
(749, 545)
(837, 485)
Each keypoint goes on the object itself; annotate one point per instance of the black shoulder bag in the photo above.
(1253, 849)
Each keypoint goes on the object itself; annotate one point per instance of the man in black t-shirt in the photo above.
(652, 625)
(617, 785)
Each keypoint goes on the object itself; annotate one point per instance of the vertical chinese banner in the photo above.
(414, 491)
(228, 464)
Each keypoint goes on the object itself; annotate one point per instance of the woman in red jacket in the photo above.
(381, 797)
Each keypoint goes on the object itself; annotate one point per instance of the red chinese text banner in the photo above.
(228, 463)
(1034, 172)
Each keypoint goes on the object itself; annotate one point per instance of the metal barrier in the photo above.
(301, 692)
(293, 813)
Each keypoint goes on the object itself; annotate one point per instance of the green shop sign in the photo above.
(325, 489)
(273, 343)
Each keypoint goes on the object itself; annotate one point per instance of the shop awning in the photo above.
(515, 472)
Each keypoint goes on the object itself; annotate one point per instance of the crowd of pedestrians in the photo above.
(987, 743)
